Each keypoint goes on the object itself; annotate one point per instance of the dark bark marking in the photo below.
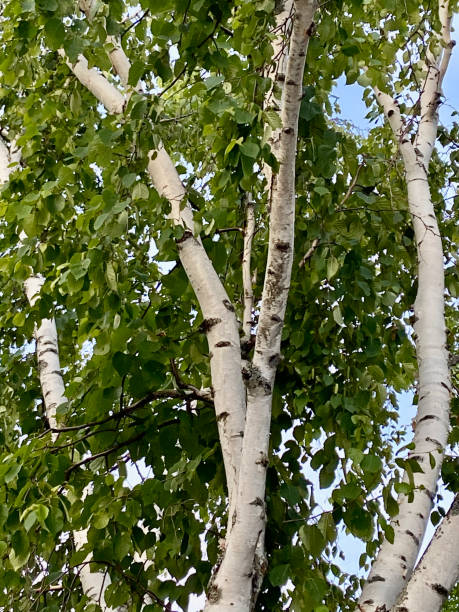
(291, 82)
(402, 557)
(428, 417)
(264, 461)
(186, 234)
(257, 502)
(253, 379)
(45, 350)
(227, 304)
(312, 29)
(282, 246)
(411, 534)
(390, 113)
(436, 442)
(223, 343)
(288, 130)
(222, 416)
(207, 324)
(274, 360)
(376, 579)
(440, 589)
(276, 319)
(214, 593)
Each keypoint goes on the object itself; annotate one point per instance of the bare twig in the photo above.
(309, 252)
(351, 186)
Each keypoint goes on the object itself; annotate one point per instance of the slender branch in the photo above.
(309, 252)
(134, 23)
(104, 453)
(445, 20)
(351, 186)
(188, 393)
(249, 233)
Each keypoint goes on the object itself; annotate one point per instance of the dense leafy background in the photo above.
(128, 319)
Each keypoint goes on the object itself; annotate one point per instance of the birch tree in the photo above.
(238, 286)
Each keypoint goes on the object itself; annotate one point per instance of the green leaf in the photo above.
(122, 363)
(213, 81)
(279, 575)
(55, 33)
(136, 72)
(250, 149)
(140, 192)
(110, 275)
(101, 520)
(12, 472)
(371, 464)
(337, 316)
(332, 267)
(48, 5)
(140, 109)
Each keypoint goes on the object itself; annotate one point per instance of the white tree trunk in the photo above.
(438, 570)
(395, 562)
(236, 583)
(52, 384)
(220, 322)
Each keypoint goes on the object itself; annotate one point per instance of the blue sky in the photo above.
(354, 109)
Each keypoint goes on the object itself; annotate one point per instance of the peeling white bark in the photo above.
(49, 368)
(438, 570)
(94, 584)
(395, 562)
(97, 84)
(220, 322)
(236, 583)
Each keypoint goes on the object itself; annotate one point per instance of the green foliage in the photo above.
(129, 325)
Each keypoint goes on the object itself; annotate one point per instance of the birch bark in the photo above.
(52, 385)
(220, 322)
(236, 583)
(395, 562)
(438, 570)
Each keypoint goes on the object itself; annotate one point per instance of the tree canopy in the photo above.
(134, 453)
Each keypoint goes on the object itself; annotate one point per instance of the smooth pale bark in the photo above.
(438, 570)
(236, 583)
(93, 584)
(51, 381)
(276, 72)
(395, 562)
(220, 323)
